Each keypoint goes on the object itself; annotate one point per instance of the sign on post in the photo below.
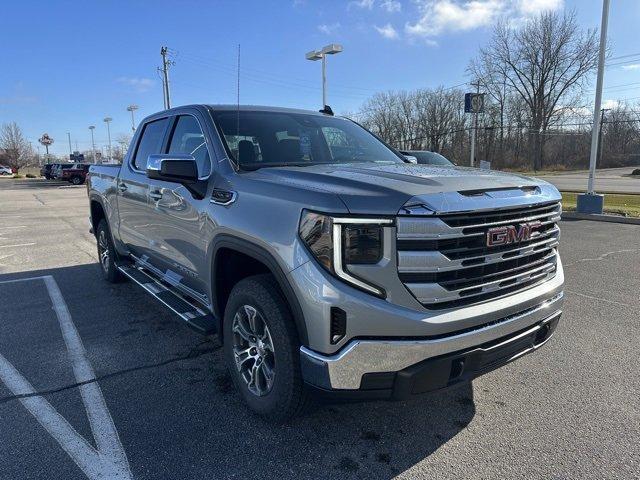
(474, 102)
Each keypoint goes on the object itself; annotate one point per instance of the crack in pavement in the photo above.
(600, 299)
(602, 257)
(193, 353)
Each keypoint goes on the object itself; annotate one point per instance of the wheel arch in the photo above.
(97, 212)
(224, 243)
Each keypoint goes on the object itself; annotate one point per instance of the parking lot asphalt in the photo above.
(608, 180)
(99, 375)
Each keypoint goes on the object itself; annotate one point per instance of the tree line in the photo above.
(534, 78)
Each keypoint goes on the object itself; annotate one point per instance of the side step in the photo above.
(201, 321)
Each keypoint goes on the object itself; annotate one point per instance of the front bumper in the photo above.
(393, 367)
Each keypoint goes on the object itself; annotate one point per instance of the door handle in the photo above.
(122, 187)
(156, 194)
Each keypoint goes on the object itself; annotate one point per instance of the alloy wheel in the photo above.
(103, 250)
(253, 350)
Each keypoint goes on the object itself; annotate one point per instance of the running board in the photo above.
(194, 316)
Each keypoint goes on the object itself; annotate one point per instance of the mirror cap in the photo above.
(172, 167)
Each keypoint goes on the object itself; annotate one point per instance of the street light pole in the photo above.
(322, 55)
(592, 203)
(132, 108)
(107, 120)
(93, 143)
(69, 137)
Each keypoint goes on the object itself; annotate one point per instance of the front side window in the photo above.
(261, 139)
(188, 139)
(150, 143)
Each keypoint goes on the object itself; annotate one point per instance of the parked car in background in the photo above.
(424, 157)
(321, 257)
(58, 168)
(45, 170)
(76, 175)
(5, 170)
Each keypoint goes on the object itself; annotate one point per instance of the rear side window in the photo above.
(188, 139)
(150, 143)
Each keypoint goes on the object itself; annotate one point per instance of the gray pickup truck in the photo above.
(322, 259)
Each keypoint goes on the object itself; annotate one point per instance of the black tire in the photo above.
(76, 180)
(107, 260)
(287, 396)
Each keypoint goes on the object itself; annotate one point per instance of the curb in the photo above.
(600, 218)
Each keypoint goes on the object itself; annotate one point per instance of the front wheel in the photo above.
(107, 253)
(261, 349)
(76, 180)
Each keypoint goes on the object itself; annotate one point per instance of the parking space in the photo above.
(98, 381)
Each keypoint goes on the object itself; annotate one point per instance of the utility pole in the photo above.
(165, 76)
(69, 137)
(475, 127)
(592, 203)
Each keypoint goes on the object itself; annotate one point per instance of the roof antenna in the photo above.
(327, 110)
(238, 97)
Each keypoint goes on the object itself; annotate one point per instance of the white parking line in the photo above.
(109, 460)
(17, 245)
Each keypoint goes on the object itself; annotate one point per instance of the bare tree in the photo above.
(18, 152)
(545, 62)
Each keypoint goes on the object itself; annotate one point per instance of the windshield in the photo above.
(429, 158)
(261, 139)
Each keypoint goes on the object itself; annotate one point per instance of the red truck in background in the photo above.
(76, 175)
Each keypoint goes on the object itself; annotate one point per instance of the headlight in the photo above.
(316, 231)
(337, 242)
(362, 244)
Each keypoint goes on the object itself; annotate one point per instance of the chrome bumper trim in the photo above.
(344, 370)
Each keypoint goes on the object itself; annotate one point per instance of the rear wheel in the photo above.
(261, 349)
(76, 180)
(107, 253)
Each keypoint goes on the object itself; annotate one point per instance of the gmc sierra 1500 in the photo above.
(322, 259)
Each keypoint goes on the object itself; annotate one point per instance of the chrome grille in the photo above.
(444, 260)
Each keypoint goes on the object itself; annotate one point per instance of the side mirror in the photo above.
(411, 159)
(172, 167)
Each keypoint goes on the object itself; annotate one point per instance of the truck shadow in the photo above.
(168, 391)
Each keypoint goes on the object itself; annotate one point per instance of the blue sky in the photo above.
(68, 64)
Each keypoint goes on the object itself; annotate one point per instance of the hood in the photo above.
(368, 188)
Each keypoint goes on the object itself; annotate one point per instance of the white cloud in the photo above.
(387, 31)
(633, 66)
(534, 7)
(137, 83)
(439, 16)
(610, 104)
(368, 4)
(329, 29)
(391, 6)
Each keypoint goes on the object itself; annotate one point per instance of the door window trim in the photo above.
(170, 134)
(132, 160)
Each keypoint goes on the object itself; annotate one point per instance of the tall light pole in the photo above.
(69, 137)
(132, 108)
(93, 143)
(107, 120)
(322, 55)
(592, 203)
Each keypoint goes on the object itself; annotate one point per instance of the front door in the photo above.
(177, 220)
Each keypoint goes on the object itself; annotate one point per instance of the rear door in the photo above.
(133, 188)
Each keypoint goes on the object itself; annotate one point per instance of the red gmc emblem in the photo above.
(508, 234)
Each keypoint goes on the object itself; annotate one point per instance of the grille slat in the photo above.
(445, 262)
